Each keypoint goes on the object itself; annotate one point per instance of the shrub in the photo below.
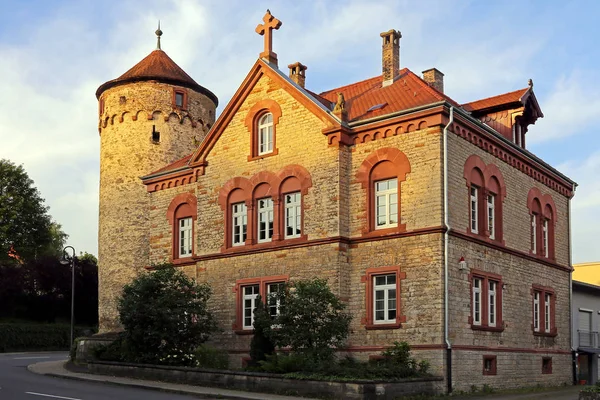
(21, 336)
(261, 345)
(311, 320)
(210, 357)
(165, 317)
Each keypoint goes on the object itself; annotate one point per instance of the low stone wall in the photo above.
(85, 346)
(589, 395)
(269, 383)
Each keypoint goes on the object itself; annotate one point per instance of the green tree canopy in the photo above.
(25, 223)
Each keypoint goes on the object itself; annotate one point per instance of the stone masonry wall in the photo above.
(126, 153)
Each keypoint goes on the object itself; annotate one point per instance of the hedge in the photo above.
(31, 337)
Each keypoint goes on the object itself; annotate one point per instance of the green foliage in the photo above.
(24, 219)
(31, 337)
(210, 357)
(311, 320)
(165, 317)
(115, 351)
(261, 345)
(284, 363)
(592, 389)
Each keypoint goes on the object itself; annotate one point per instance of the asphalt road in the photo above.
(17, 383)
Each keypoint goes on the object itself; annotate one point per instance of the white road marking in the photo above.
(49, 395)
(30, 358)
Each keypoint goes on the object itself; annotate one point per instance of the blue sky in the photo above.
(55, 54)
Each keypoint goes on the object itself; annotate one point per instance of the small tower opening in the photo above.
(155, 135)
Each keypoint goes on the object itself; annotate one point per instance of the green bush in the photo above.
(261, 345)
(210, 357)
(165, 317)
(22, 336)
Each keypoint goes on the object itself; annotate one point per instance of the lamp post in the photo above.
(65, 261)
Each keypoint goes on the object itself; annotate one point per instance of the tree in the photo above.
(311, 320)
(261, 345)
(25, 224)
(165, 316)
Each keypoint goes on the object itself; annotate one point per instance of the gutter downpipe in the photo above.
(446, 240)
(573, 349)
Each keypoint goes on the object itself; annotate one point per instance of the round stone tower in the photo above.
(149, 117)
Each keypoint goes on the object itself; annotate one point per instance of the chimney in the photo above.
(297, 73)
(390, 62)
(434, 78)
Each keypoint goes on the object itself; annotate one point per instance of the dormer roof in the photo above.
(157, 66)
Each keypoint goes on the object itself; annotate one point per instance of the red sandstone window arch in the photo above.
(180, 99)
(285, 192)
(542, 222)
(183, 210)
(388, 166)
(486, 193)
(257, 118)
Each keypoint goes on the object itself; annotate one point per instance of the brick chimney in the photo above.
(434, 78)
(297, 73)
(390, 62)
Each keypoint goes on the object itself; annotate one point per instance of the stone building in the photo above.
(429, 218)
(586, 324)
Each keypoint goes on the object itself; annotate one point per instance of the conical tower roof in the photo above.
(157, 66)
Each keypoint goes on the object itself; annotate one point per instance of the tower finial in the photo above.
(158, 35)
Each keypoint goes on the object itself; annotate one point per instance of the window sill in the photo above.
(244, 332)
(374, 327)
(541, 257)
(553, 333)
(487, 328)
(184, 261)
(265, 245)
(485, 238)
(385, 231)
(260, 157)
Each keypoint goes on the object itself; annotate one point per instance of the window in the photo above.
(386, 203)
(542, 217)
(247, 292)
(543, 311)
(293, 215)
(384, 303)
(474, 209)
(265, 134)
(383, 298)
(239, 223)
(265, 220)
(486, 301)
(180, 99)
(486, 192)
(185, 237)
(181, 215)
(251, 293)
(381, 175)
(489, 365)
(491, 214)
(546, 365)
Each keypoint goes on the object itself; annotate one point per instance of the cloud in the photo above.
(584, 207)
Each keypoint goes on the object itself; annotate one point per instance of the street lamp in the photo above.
(65, 261)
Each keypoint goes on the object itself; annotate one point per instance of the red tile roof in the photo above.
(182, 162)
(160, 67)
(408, 91)
(495, 101)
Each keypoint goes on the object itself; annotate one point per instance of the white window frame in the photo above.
(545, 237)
(264, 209)
(491, 211)
(477, 286)
(265, 134)
(386, 288)
(248, 312)
(547, 311)
(185, 234)
(534, 233)
(474, 211)
(492, 302)
(271, 295)
(239, 219)
(386, 196)
(293, 214)
(536, 311)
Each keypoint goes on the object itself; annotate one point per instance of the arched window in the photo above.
(542, 217)
(291, 190)
(382, 174)
(265, 134)
(182, 214)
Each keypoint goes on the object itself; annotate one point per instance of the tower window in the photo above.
(179, 99)
(155, 134)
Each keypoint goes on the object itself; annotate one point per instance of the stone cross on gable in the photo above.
(270, 23)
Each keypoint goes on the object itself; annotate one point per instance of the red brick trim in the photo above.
(185, 99)
(263, 281)
(493, 366)
(543, 290)
(384, 163)
(183, 205)
(484, 306)
(547, 212)
(489, 180)
(259, 109)
(370, 273)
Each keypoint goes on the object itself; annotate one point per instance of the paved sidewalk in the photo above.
(57, 369)
(562, 393)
